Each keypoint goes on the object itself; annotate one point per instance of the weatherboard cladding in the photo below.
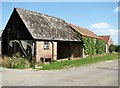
(46, 27)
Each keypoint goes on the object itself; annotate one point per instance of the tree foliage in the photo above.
(100, 46)
(112, 48)
(117, 48)
(89, 46)
(92, 46)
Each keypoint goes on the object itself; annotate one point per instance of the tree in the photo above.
(111, 48)
(117, 48)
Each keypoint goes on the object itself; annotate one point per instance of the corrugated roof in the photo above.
(42, 26)
(83, 31)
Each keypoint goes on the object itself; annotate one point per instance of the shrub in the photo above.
(111, 48)
(117, 48)
(17, 62)
(6, 62)
(17, 54)
(20, 63)
(33, 63)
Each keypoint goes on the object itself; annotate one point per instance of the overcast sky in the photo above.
(99, 17)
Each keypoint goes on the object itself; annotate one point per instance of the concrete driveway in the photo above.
(100, 74)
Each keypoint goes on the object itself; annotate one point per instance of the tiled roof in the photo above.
(105, 38)
(84, 31)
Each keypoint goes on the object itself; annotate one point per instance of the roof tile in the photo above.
(83, 31)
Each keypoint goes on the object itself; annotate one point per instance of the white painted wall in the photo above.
(106, 48)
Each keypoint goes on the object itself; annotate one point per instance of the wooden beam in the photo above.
(69, 51)
(52, 50)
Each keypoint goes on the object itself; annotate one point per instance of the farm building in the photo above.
(87, 33)
(108, 41)
(39, 36)
(84, 32)
(43, 37)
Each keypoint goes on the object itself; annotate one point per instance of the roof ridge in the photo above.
(39, 13)
(84, 31)
(42, 26)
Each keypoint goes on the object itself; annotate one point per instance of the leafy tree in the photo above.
(112, 48)
(117, 48)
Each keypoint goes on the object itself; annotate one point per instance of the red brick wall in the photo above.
(76, 50)
(42, 53)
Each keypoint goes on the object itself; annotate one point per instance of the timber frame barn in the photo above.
(39, 36)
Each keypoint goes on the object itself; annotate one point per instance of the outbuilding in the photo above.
(39, 36)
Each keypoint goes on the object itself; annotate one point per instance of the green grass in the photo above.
(76, 63)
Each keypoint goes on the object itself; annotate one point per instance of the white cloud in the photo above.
(100, 25)
(108, 31)
(117, 9)
(103, 28)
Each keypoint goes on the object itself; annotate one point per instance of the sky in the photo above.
(99, 17)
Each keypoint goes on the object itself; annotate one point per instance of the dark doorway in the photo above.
(76, 49)
(63, 50)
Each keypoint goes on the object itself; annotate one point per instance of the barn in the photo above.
(108, 41)
(39, 36)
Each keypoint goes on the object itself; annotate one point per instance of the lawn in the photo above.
(57, 65)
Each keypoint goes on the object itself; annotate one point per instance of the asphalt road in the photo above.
(0, 77)
(100, 74)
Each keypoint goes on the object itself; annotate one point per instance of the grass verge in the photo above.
(76, 63)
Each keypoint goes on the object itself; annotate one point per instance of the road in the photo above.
(0, 77)
(99, 74)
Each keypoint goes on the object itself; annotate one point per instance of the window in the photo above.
(46, 45)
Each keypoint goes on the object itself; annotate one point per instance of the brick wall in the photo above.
(42, 53)
(76, 50)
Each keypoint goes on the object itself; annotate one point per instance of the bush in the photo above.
(33, 63)
(17, 62)
(111, 48)
(117, 48)
(6, 62)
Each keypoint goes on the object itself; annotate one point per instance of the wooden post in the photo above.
(69, 50)
(8, 41)
(35, 51)
(52, 50)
